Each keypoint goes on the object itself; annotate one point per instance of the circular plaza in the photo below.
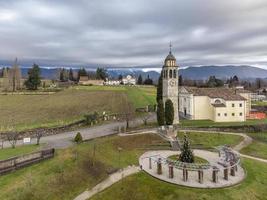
(223, 168)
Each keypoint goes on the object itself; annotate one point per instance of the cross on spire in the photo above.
(170, 47)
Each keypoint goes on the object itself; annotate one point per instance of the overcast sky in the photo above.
(134, 32)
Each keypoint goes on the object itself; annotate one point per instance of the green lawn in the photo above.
(258, 148)
(196, 159)
(209, 123)
(72, 170)
(210, 140)
(259, 103)
(20, 150)
(139, 96)
(144, 187)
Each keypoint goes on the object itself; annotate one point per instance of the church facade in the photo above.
(170, 84)
(216, 104)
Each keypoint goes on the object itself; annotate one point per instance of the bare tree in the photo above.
(146, 117)
(12, 137)
(38, 135)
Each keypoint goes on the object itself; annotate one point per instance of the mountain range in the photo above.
(196, 73)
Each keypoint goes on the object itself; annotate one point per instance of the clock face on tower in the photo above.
(172, 83)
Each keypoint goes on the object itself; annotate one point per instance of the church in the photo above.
(216, 104)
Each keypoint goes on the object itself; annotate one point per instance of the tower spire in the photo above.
(170, 47)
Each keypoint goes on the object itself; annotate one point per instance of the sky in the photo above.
(127, 33)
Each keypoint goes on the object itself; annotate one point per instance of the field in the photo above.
(143, 187)
(210, 140)
(20, 150)
(258, 148)
(72, 169)
(22, 112)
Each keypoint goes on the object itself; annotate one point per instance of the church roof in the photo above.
(170, 56)
(223, 93)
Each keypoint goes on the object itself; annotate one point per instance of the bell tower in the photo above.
(170, 83)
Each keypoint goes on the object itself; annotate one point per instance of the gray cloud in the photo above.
(133, 33)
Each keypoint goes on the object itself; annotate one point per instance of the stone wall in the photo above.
(18, 162)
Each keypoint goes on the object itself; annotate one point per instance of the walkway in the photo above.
(117, 176)
(65, 139)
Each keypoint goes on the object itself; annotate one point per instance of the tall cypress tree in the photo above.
(160, 113)
(186, 152)
(140, 80)
(159, 88)
(169, 112)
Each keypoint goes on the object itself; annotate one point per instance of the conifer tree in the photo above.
(169, 112)
(159, 88)
(160, 113)
(186, 152)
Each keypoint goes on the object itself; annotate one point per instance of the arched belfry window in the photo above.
(170, 73)
(174, 73)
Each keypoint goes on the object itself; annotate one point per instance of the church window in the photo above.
(170, 73)
(174, 73)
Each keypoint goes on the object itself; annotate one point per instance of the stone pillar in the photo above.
(225, 173)
(159, 167)
(232, 171)
(170, 171)
(150, 163)
(215, 171)
(185, 174)
(200, 176)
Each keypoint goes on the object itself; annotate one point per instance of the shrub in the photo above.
(160, 113)
(78, 138)
(169, 112)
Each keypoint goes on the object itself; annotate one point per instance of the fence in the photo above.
(18, 162)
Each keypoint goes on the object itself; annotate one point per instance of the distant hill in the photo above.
(197, 73)
(243, 72)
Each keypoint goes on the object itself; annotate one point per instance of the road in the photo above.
(65, 139)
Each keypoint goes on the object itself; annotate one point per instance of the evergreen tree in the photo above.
(159, 88)
(181, 80)
(120, 77)
(82, 72)
(140, 80)
(101, 73)
(160, 113)
(34, 79)
(169, 112)
(71, 78)
(148, 81)
(186, 152)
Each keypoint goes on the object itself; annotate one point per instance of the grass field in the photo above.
(31, 111)
(258, 148)
(144, 187)
(209, 123)
(20, 150)
(259, 103)
(210, 140)
(71, 171)
(22, 112)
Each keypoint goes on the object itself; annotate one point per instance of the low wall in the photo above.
(18, 162)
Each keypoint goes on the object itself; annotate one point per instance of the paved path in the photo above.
(115, 177)
(64, 140)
